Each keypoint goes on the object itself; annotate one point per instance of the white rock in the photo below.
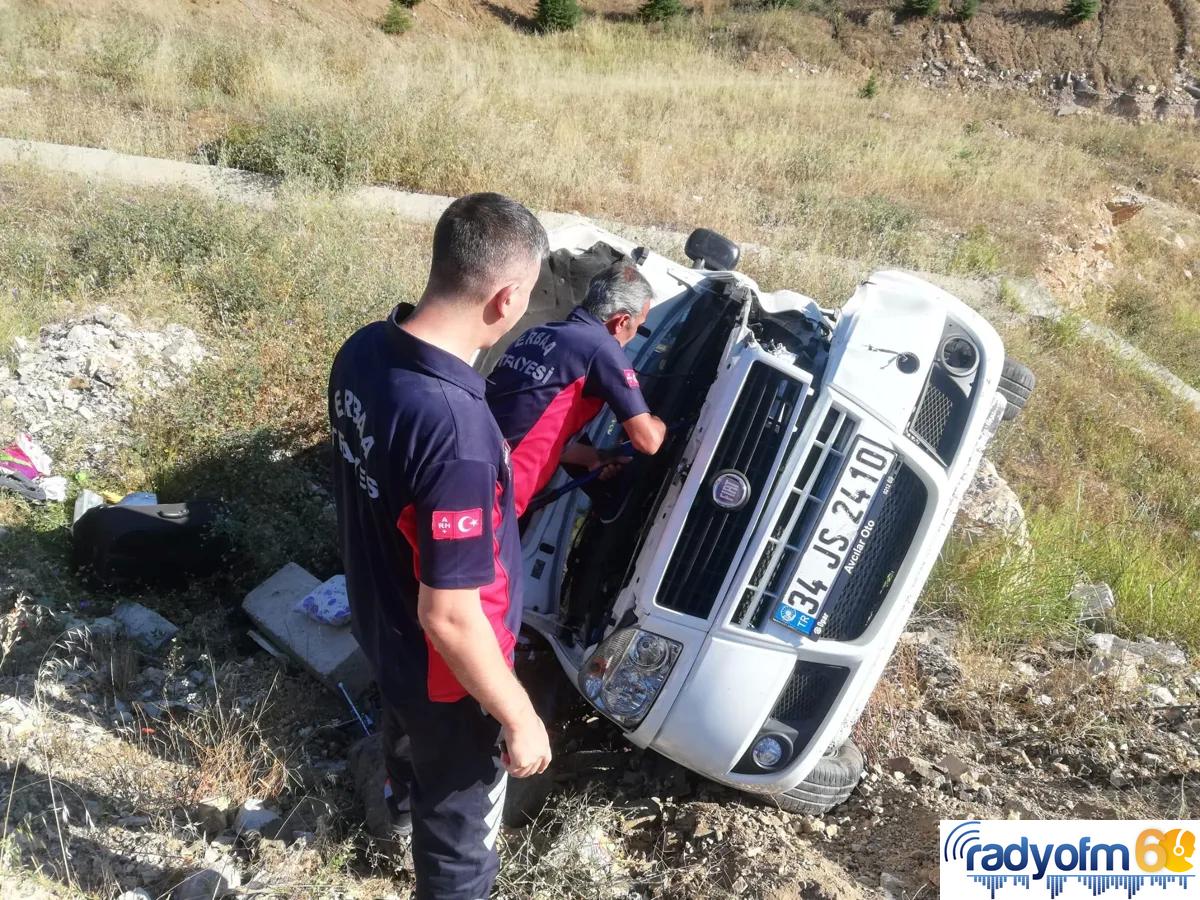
(1096, 602)
(991, 505)
(1161, 696)
(123, 364)
(256, 818)
(1123, 667)
(218, 880)
(80, 336)
(1155, 652)
(212, 814)
(146, 628)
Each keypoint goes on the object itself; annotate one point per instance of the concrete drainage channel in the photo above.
(237, 186)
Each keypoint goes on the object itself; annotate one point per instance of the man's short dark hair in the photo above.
(478, 238)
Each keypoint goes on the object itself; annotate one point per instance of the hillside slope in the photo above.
(1132, 43)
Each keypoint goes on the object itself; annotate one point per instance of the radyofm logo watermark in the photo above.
(1067, 858)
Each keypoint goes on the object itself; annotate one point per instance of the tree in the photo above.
(1078, 11)
(922, 7)
(660, 10)
(557, 15)
(967, 10)
(397, 19)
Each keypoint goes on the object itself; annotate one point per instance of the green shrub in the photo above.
(120, 56)
(922, 7)
(870, 89)
(890, 230)
(1081, 10)
(210, 257)
(226, 67)
(397, 19)
(111, 243)
(660, 10)
(324, 147)
(557, 15)
(967, 9)
(976, 254)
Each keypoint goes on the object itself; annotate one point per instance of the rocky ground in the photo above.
(76, 387)
(1068, 93)
(177, 758)
(169, 771)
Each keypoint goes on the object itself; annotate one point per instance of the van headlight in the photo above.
(625, 673)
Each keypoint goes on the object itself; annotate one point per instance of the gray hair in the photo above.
(479, 237)
(620, 288)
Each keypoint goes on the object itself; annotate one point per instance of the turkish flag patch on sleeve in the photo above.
(455, 525)
(631, 378)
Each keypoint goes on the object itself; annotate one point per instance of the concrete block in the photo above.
(145, 627)
(331, 654)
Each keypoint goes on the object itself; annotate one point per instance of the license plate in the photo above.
(842, 532)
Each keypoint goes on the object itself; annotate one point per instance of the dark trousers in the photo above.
(446, 756)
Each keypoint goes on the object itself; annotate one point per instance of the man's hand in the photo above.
(608, 461)
(454, 622)
(527, 747)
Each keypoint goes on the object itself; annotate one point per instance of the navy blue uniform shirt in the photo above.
(549, 384)
(424, 494)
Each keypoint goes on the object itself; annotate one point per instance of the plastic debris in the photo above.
(328, 603)
(55, 488)
(35, 454)
(139, 498)
(85, 501)
(23, 469)
(14, 461)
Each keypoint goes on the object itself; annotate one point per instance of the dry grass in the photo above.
(229, 753)
(877, 732)
(1103, 459)
(764, 153)
(1153, 298)
(758, 147)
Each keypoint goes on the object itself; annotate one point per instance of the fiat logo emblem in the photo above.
(730, 489)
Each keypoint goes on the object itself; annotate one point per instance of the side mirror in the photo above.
(709, 250)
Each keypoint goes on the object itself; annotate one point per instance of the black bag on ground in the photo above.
(162, 544)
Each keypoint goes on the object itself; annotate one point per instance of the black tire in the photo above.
(831, 783)
(1017, 382)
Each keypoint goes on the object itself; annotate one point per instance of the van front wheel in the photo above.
(1017, 382)
(828, 785)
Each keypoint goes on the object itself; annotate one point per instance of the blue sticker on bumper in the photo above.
(794, 619)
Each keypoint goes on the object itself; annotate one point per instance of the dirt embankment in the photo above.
(1147, 45)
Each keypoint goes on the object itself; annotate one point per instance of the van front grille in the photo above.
(767, 417)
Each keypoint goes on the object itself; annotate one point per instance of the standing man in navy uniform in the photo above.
(429, 538)
(556, 377)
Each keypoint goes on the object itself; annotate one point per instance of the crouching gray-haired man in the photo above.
(556, 377)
